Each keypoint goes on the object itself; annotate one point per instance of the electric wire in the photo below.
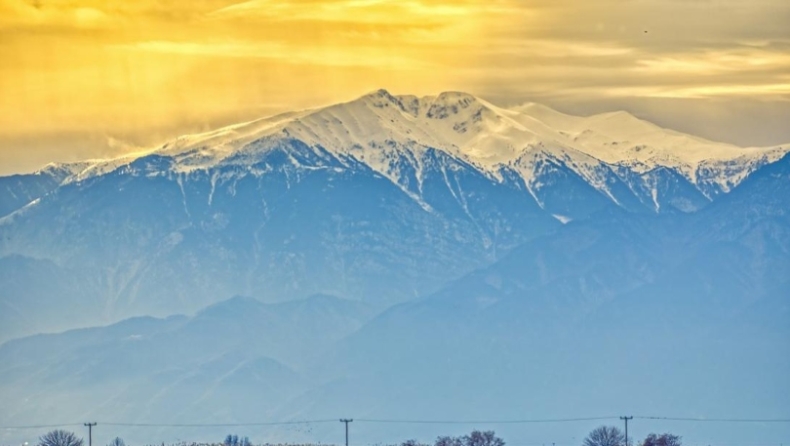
(268, 423)
(717, 420)
(410, 421)
(545, 420)
(42, 426)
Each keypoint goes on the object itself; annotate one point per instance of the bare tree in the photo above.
(604, 436)
(59, 438)
(662, 440)
(413, 443)
(448, 441)
(117, 441)
(487, 438)
(476, 438)
(235, 440)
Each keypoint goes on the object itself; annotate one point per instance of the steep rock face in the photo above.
(16, 191)
(144, 239)
(663, 189)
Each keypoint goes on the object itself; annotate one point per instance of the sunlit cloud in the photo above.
(143, 70)
(776, 92)
(14, 13)
(716, 62)
(773, 90)
(555, 48)
(329, 56)
(360, 11)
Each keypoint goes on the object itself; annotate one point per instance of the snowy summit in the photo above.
(380, 129)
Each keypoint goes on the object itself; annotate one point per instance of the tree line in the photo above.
(613, 436)
(600, 436)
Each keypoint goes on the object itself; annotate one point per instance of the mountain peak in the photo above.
(624, 120)
(441, 106)
(379, 98)
(449, 103)
(455, 96)
(458, 123)
(383, 98)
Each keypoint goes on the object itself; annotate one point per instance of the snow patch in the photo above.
(380, 130)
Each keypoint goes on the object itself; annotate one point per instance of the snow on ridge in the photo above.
(728, 173)
(620, 137)
(467, 128)
(66, 171)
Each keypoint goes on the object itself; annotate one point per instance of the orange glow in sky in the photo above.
(97, 78)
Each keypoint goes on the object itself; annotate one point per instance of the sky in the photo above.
(85, 79)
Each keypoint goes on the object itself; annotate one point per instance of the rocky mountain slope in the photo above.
(381, 199)
(677, 314)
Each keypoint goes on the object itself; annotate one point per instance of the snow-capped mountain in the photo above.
(386, 132)
(489, 263)
(383, 199)
(17, 191)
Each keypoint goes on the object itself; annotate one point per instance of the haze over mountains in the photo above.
(402, 257)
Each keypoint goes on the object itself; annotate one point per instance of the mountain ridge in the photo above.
(396, 280)
(469, 128)
(382, 199)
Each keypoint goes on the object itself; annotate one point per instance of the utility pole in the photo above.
(342, 420)
(90, 432)
(626, 428)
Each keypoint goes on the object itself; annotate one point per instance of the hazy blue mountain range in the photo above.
(620, 312)
(229, 361)
(381, 199)
(487, 263)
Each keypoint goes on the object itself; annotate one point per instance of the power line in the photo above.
(719, 420)
(626, 418)
(41, 426)
(269, 423)
(412, 421)
(90, 432)
(346, 421)
(544, 420)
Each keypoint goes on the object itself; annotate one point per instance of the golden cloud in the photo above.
(126, 67)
